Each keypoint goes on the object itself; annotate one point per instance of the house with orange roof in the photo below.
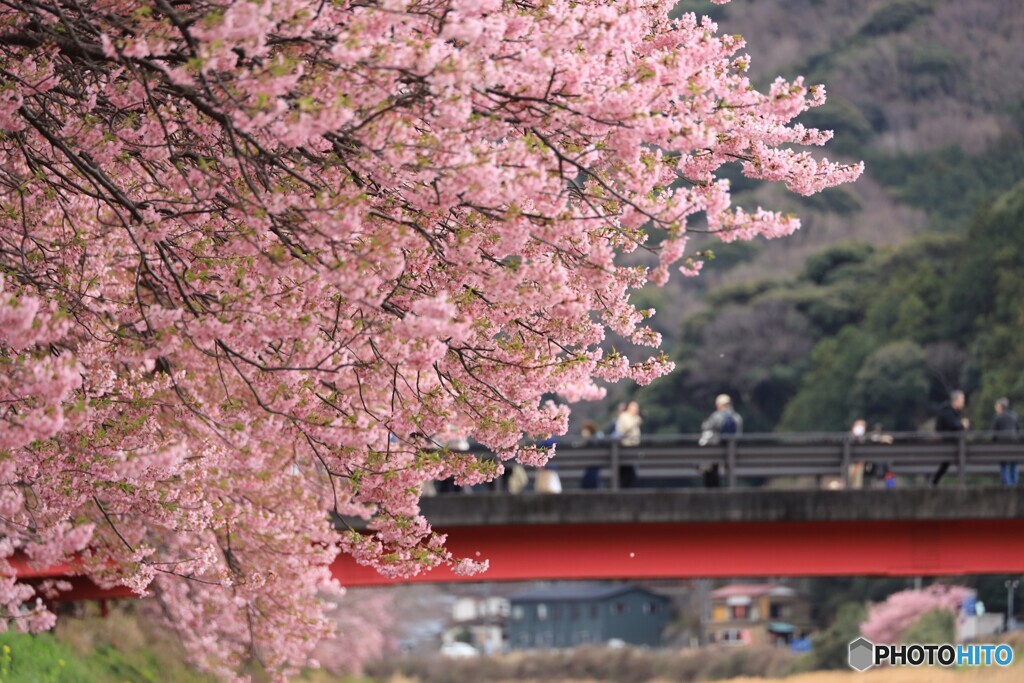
(758, 614)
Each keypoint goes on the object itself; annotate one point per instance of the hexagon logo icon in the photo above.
(862, 654)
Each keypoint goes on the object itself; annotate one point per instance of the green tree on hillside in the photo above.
(882, 333)
(892, 385)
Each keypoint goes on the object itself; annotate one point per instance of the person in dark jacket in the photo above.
(950, 420)
(1007, 430)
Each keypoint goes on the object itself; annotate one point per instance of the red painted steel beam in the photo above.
(82, 588)
(723, 549)
(26, 570)
(694, 550)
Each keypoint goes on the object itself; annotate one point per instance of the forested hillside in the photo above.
(877, 332)
(899, 287)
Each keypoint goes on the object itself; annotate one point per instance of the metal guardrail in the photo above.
(679, 459)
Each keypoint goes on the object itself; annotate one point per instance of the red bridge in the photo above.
(738, 531)
(746, 533)
(688, 534)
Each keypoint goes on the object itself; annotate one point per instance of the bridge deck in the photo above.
(718, 505)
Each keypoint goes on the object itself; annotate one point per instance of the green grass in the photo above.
(39, 659)
(92, 649)
(124, 647)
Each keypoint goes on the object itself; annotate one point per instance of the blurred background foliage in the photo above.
(898, 288)
(882, 333)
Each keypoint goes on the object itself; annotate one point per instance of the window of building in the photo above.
(650, 608)
(740, 611)
(594, 611)
(518, 613)
(779, 610)
(620, 608)
(542, 611)
(729, 635)
(556, 612)
(574, 612)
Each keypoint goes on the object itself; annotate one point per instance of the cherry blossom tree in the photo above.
(366, 630)
(888, 620)
(259, 258)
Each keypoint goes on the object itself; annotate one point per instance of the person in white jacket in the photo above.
(627, 424)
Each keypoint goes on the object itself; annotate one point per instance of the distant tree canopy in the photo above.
(892, 384)
(878, 333)
(911, 93)
(831, 646)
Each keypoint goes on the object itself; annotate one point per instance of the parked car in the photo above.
(458, 650)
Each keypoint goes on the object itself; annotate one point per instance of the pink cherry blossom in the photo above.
(888, 619)
(256, 258)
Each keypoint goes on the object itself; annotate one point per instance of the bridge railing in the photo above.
(751, 459)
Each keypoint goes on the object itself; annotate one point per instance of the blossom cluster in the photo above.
(258, 255)
(888, 619)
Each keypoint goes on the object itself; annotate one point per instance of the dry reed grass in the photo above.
(1011, 674)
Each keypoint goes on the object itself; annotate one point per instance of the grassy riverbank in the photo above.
(91, 649)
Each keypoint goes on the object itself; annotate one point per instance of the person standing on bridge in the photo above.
(613, 426)
(950, 420)
(724, 421)
(858, 435)
(627, 424)
(1007, 430)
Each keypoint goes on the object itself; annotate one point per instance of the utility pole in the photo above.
(1011, 588)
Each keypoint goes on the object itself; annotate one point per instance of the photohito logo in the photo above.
(864, 654)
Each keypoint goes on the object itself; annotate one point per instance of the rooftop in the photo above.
(579, 591)
(751, 590)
